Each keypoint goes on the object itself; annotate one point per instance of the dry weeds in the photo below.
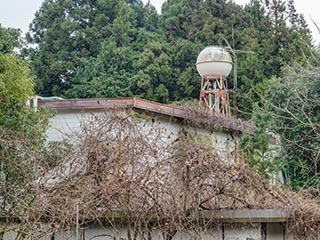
(117, 171)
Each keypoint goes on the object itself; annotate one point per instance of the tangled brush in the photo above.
(122, 169)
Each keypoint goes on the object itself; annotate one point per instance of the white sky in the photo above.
(19, 13)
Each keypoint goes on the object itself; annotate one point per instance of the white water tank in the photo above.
(214, 61)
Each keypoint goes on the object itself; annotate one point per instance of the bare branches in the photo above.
(315, 24)
(123, 170)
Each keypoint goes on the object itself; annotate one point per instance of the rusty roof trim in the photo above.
(145, 105)
(86, 103)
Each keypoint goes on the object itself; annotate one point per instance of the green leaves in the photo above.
(261, 150)
(15, 82)
(9, 39)
(113, 48)
(22, 129)
(293, 102)
(16, 87)
(289, 108)
(102, 34)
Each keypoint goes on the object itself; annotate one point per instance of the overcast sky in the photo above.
(19, 13)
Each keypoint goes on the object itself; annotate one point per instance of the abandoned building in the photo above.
(222, 134)
(137, 169)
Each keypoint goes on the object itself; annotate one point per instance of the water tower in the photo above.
(214, 65)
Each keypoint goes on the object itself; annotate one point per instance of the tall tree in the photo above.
(293, 103)
(73, 36)
(124, 48)
(16, 84)
(276, 44)
(190, 26)
(17, 120)
(9, 39)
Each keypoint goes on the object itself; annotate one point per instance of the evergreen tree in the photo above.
(9, 39)
(89, 36)
(190, 26)
(276, 44)
(124, 48)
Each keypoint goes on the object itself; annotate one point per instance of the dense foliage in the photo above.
(9, 39)
(293, 103)
(21, 128)
(125, 48)
(289, 113)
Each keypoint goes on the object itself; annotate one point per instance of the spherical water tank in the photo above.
(214, 61)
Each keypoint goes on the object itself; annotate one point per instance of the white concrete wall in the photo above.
(236, 231)
(67, 122)
(11, 232)
(242, 232)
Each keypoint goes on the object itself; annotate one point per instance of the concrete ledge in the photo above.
(244, 216)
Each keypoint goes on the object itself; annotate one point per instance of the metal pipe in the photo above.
(77, 221)
(235, 61)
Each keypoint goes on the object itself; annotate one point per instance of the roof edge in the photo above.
(141, 104)
(222, 216)
(245, 216)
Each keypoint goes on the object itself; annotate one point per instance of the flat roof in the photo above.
(144, 105)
